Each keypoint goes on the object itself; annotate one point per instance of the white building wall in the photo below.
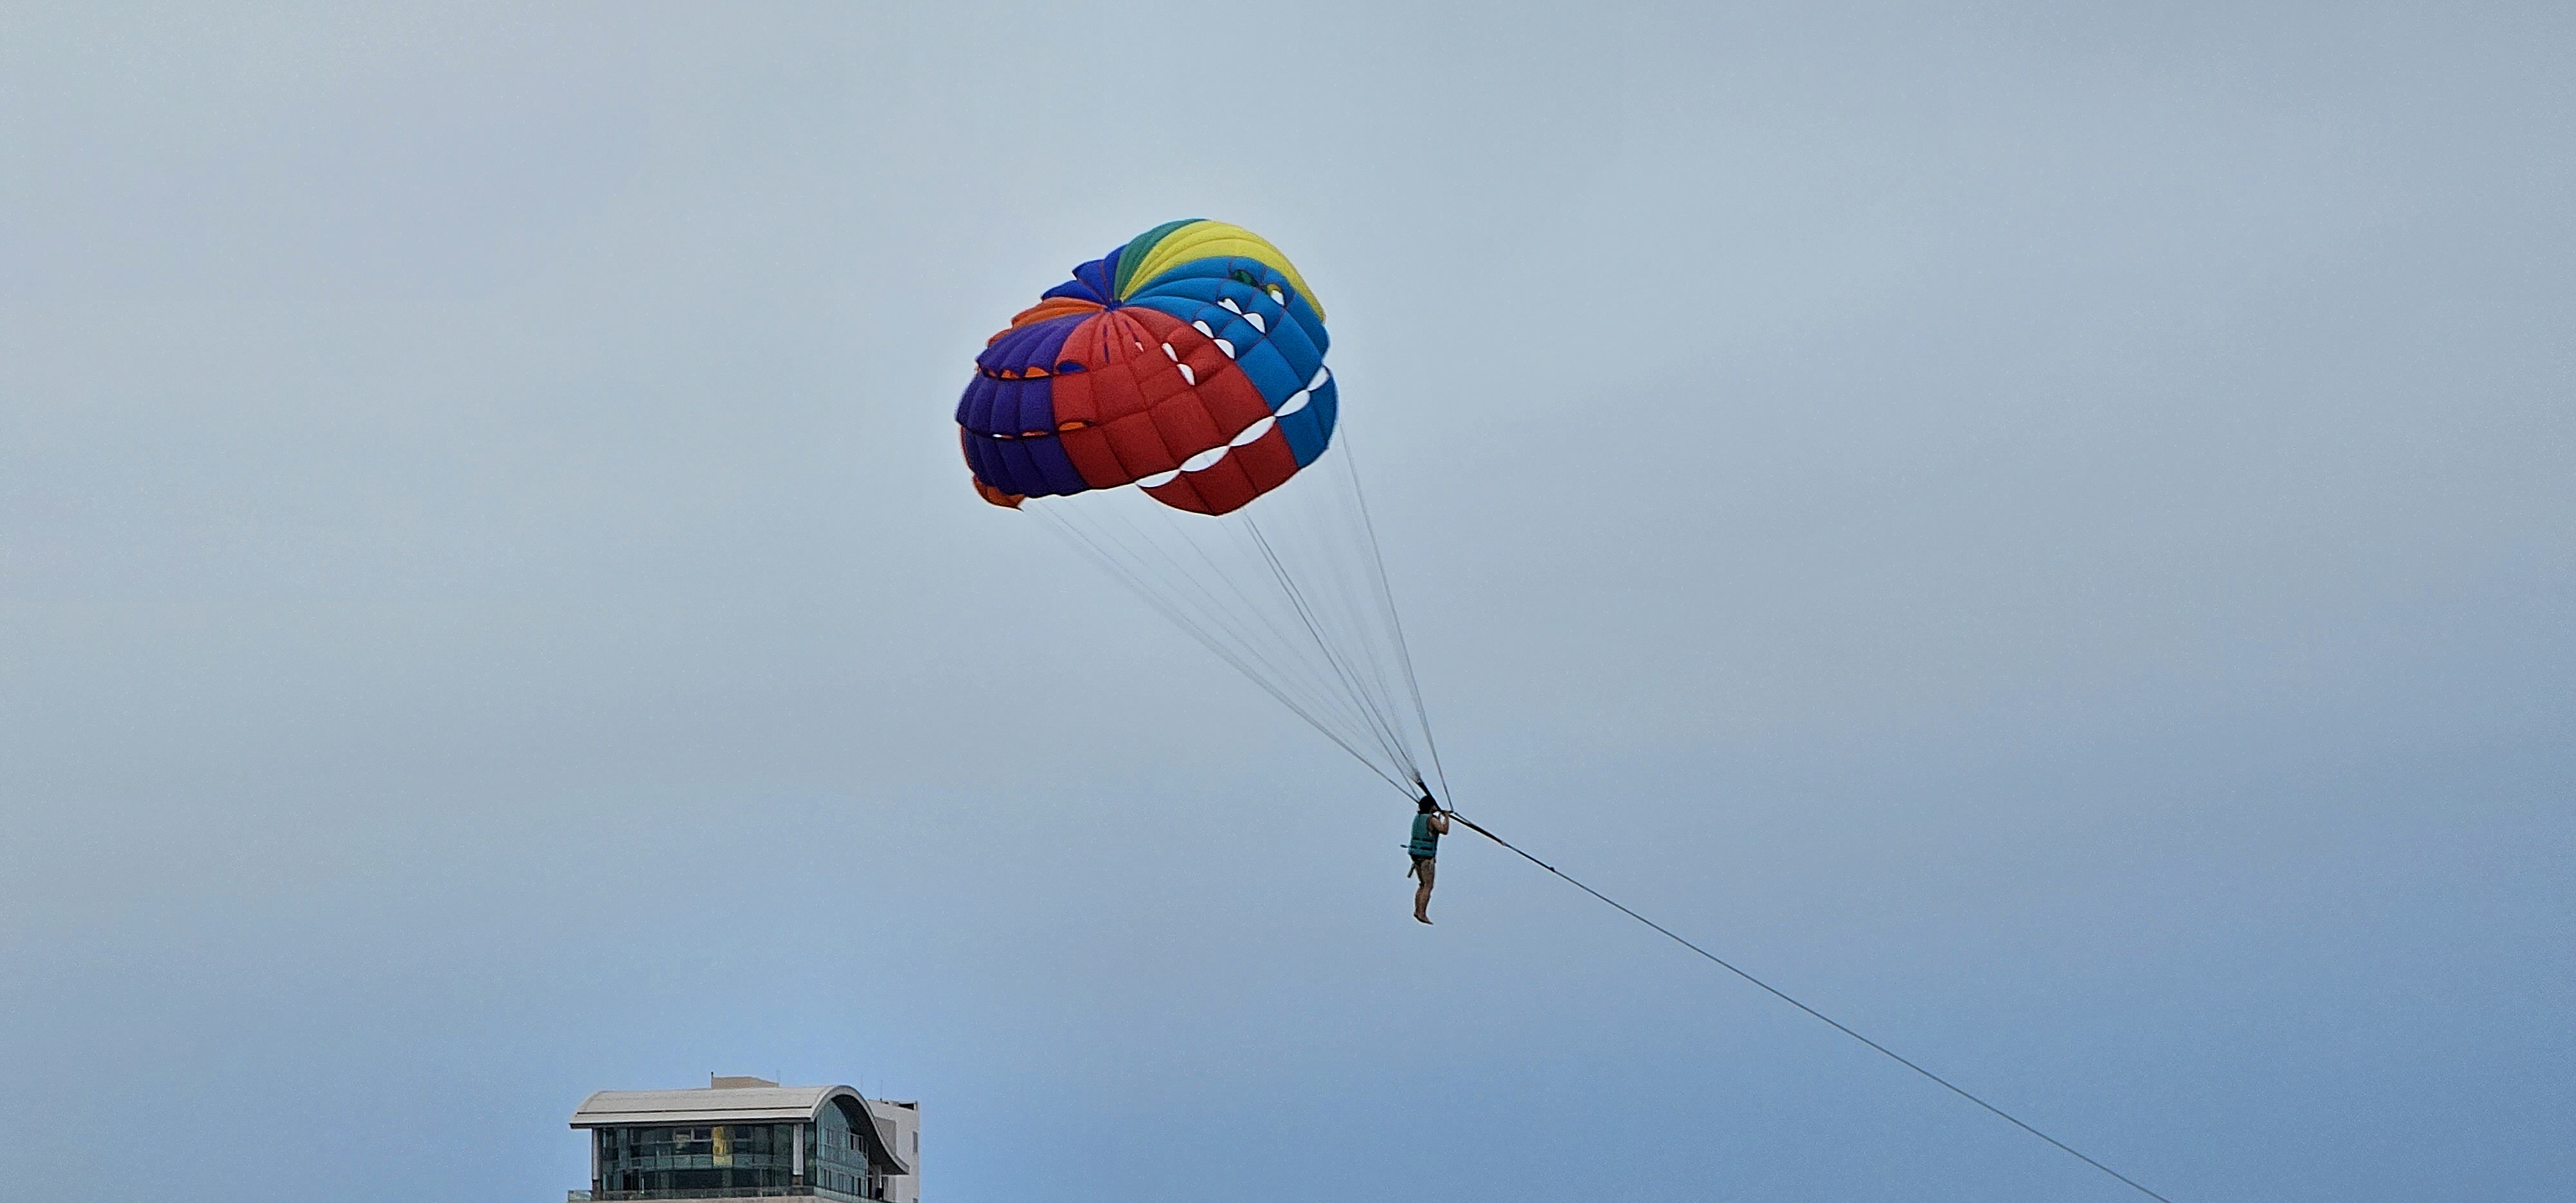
(905, 1119)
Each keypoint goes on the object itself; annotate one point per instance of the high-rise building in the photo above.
(750, 1138)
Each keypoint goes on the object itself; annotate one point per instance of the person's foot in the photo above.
(1422, 918)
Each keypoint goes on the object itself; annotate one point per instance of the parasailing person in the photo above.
(1429, 824)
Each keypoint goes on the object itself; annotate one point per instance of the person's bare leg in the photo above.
(1422, 892)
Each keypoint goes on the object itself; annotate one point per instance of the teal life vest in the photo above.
(1426, 842)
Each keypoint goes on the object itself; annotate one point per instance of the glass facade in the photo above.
(705, 1161)
(842, 1165)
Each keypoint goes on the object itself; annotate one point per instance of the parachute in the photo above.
(1188, 363)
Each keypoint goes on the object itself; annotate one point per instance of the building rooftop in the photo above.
(705, 1105)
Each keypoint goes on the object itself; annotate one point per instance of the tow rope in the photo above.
(1836, 1024)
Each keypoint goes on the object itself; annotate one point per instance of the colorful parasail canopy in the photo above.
(1189, 362)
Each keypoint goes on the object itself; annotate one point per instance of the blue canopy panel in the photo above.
(1274, 335)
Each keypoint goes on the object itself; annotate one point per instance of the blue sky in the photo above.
(2046, 533)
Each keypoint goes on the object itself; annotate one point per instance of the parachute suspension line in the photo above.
(1318, 694)
(1128, 572)
(1331, 681)
(1829, 1020)
(1378, 721)
(1237, 644)
(1394, 620)
(1351, 615)
(1291, 591)
(1160, 591)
